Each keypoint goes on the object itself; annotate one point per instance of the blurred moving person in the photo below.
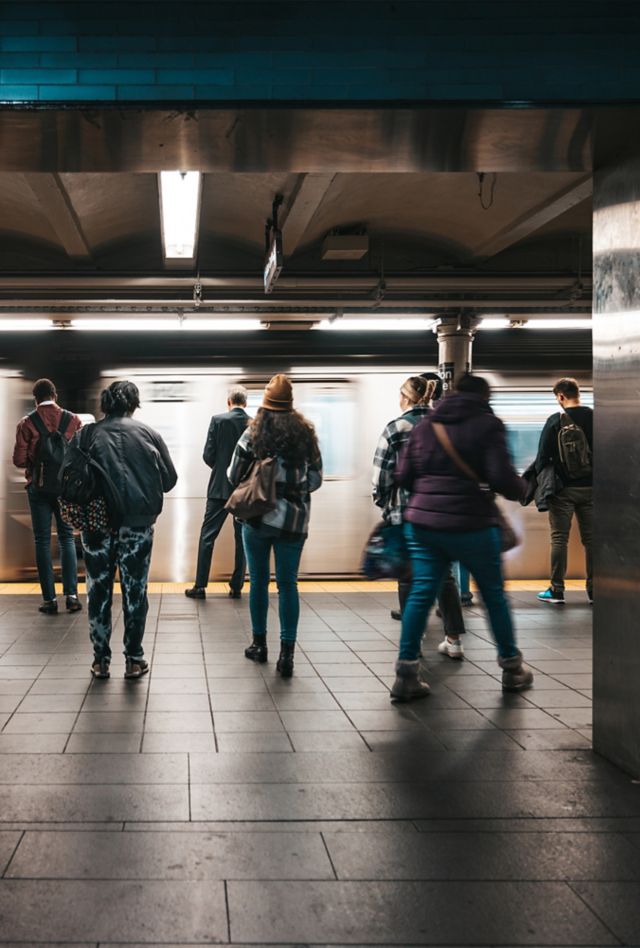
(222, 437)
(566, 443)
(137, 461)
(39, 450)
(280, 432)
(450, 517)
(416, 394)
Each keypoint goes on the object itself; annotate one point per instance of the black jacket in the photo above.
(137, 460)
(224, 432)
(548, 452)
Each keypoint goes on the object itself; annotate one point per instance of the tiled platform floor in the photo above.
(215, 803)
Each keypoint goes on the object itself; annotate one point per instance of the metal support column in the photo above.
(455, 341)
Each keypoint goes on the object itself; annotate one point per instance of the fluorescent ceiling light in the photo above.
(495, 322)
(180, 214)
(166, 325)
(222, 325)
(383, 325)
(25, 325)
(558, 324)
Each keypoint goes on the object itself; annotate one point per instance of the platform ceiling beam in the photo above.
(306, 198)
(56, 205)
(534, 219)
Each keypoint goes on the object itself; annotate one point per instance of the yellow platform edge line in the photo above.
(305, 586)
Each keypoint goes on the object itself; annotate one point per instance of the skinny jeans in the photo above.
(432, 552)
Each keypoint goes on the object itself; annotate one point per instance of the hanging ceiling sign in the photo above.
(274, 260)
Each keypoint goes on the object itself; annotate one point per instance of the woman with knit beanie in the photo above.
(416, 394)
(281, 432)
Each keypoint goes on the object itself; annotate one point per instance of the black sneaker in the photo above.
(136, 668)
(73, 604)
(234, 593)
(196, 592)
(396, 614)
(100, 668)
(49, 607)
(553, 596)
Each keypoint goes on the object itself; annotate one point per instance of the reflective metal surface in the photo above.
(349, 404)
(257, 139)
(616, 226)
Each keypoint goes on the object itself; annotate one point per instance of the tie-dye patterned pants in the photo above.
(130, 550)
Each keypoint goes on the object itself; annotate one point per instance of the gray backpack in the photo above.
(573, 448)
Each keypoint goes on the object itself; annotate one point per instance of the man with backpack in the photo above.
(566, 443)
(41, 442)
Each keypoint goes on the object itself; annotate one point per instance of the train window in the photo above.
(333, 414)
(524, 414)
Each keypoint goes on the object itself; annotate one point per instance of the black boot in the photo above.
(257, 651)
(284, 665)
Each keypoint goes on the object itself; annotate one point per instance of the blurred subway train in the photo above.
(349, 407)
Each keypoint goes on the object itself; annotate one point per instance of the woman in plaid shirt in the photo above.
(278, 431)
(415, 403)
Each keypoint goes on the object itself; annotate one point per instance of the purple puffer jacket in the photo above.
(442, 496)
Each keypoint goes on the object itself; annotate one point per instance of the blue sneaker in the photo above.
(553, 596)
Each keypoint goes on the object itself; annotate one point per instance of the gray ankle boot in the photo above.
(516, 676)
(407, 686)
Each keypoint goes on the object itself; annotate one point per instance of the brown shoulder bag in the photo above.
(256, 494)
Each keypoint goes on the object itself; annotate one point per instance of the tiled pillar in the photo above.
(616, 353)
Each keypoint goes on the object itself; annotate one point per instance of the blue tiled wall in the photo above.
(350, 51)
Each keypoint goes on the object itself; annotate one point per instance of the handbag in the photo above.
(93, 516)
(385, 553)
(256, 494)
(508, 536)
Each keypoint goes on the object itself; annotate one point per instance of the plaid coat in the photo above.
(293, 487)
(386, 493)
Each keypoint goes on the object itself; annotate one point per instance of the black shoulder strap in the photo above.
(565, 420)
(65, 421)
(38, 423)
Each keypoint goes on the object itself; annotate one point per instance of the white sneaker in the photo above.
(452, 648)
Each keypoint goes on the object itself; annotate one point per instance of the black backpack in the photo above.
(51, 452)
(83, 479)
(573, 448)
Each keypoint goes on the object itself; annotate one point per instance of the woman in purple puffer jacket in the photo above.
(450, 517)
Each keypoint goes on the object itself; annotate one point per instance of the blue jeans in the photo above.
(431, 553)
(42, 510)
(287, 555)
(463, 580)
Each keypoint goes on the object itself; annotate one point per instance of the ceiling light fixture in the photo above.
(175, 324)
(180, 196)
(378, 325)
(25, 325)
(559, 324)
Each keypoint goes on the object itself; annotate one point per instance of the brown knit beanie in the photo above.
(278, 394)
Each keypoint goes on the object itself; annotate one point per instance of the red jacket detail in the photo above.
(27, 436)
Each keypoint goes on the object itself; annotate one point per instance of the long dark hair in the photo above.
(287, 434)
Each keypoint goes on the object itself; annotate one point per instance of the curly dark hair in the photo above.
(287, 434)
(121, 398)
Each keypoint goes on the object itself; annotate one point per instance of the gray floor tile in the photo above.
(54, 723)
(32, 743)
(482, 856)
(313, 741)
(105, 722)
(617, 904)
(316, 721)
(93, 743)
(93, 802)
(9, 839)
(162, 743)
(93, 768)
(48, 703)
(174, 855)
(264, 742)
(172, 722)
(234, 721)
(559, 739)
(146, 911)
(357, 912)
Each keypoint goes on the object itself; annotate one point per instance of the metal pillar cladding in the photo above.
(455, 341)
(616, 544)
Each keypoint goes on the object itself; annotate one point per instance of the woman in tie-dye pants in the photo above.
(137, 463)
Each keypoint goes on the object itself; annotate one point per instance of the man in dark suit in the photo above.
(222, 438)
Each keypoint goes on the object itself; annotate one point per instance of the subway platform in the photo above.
(215, 803)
